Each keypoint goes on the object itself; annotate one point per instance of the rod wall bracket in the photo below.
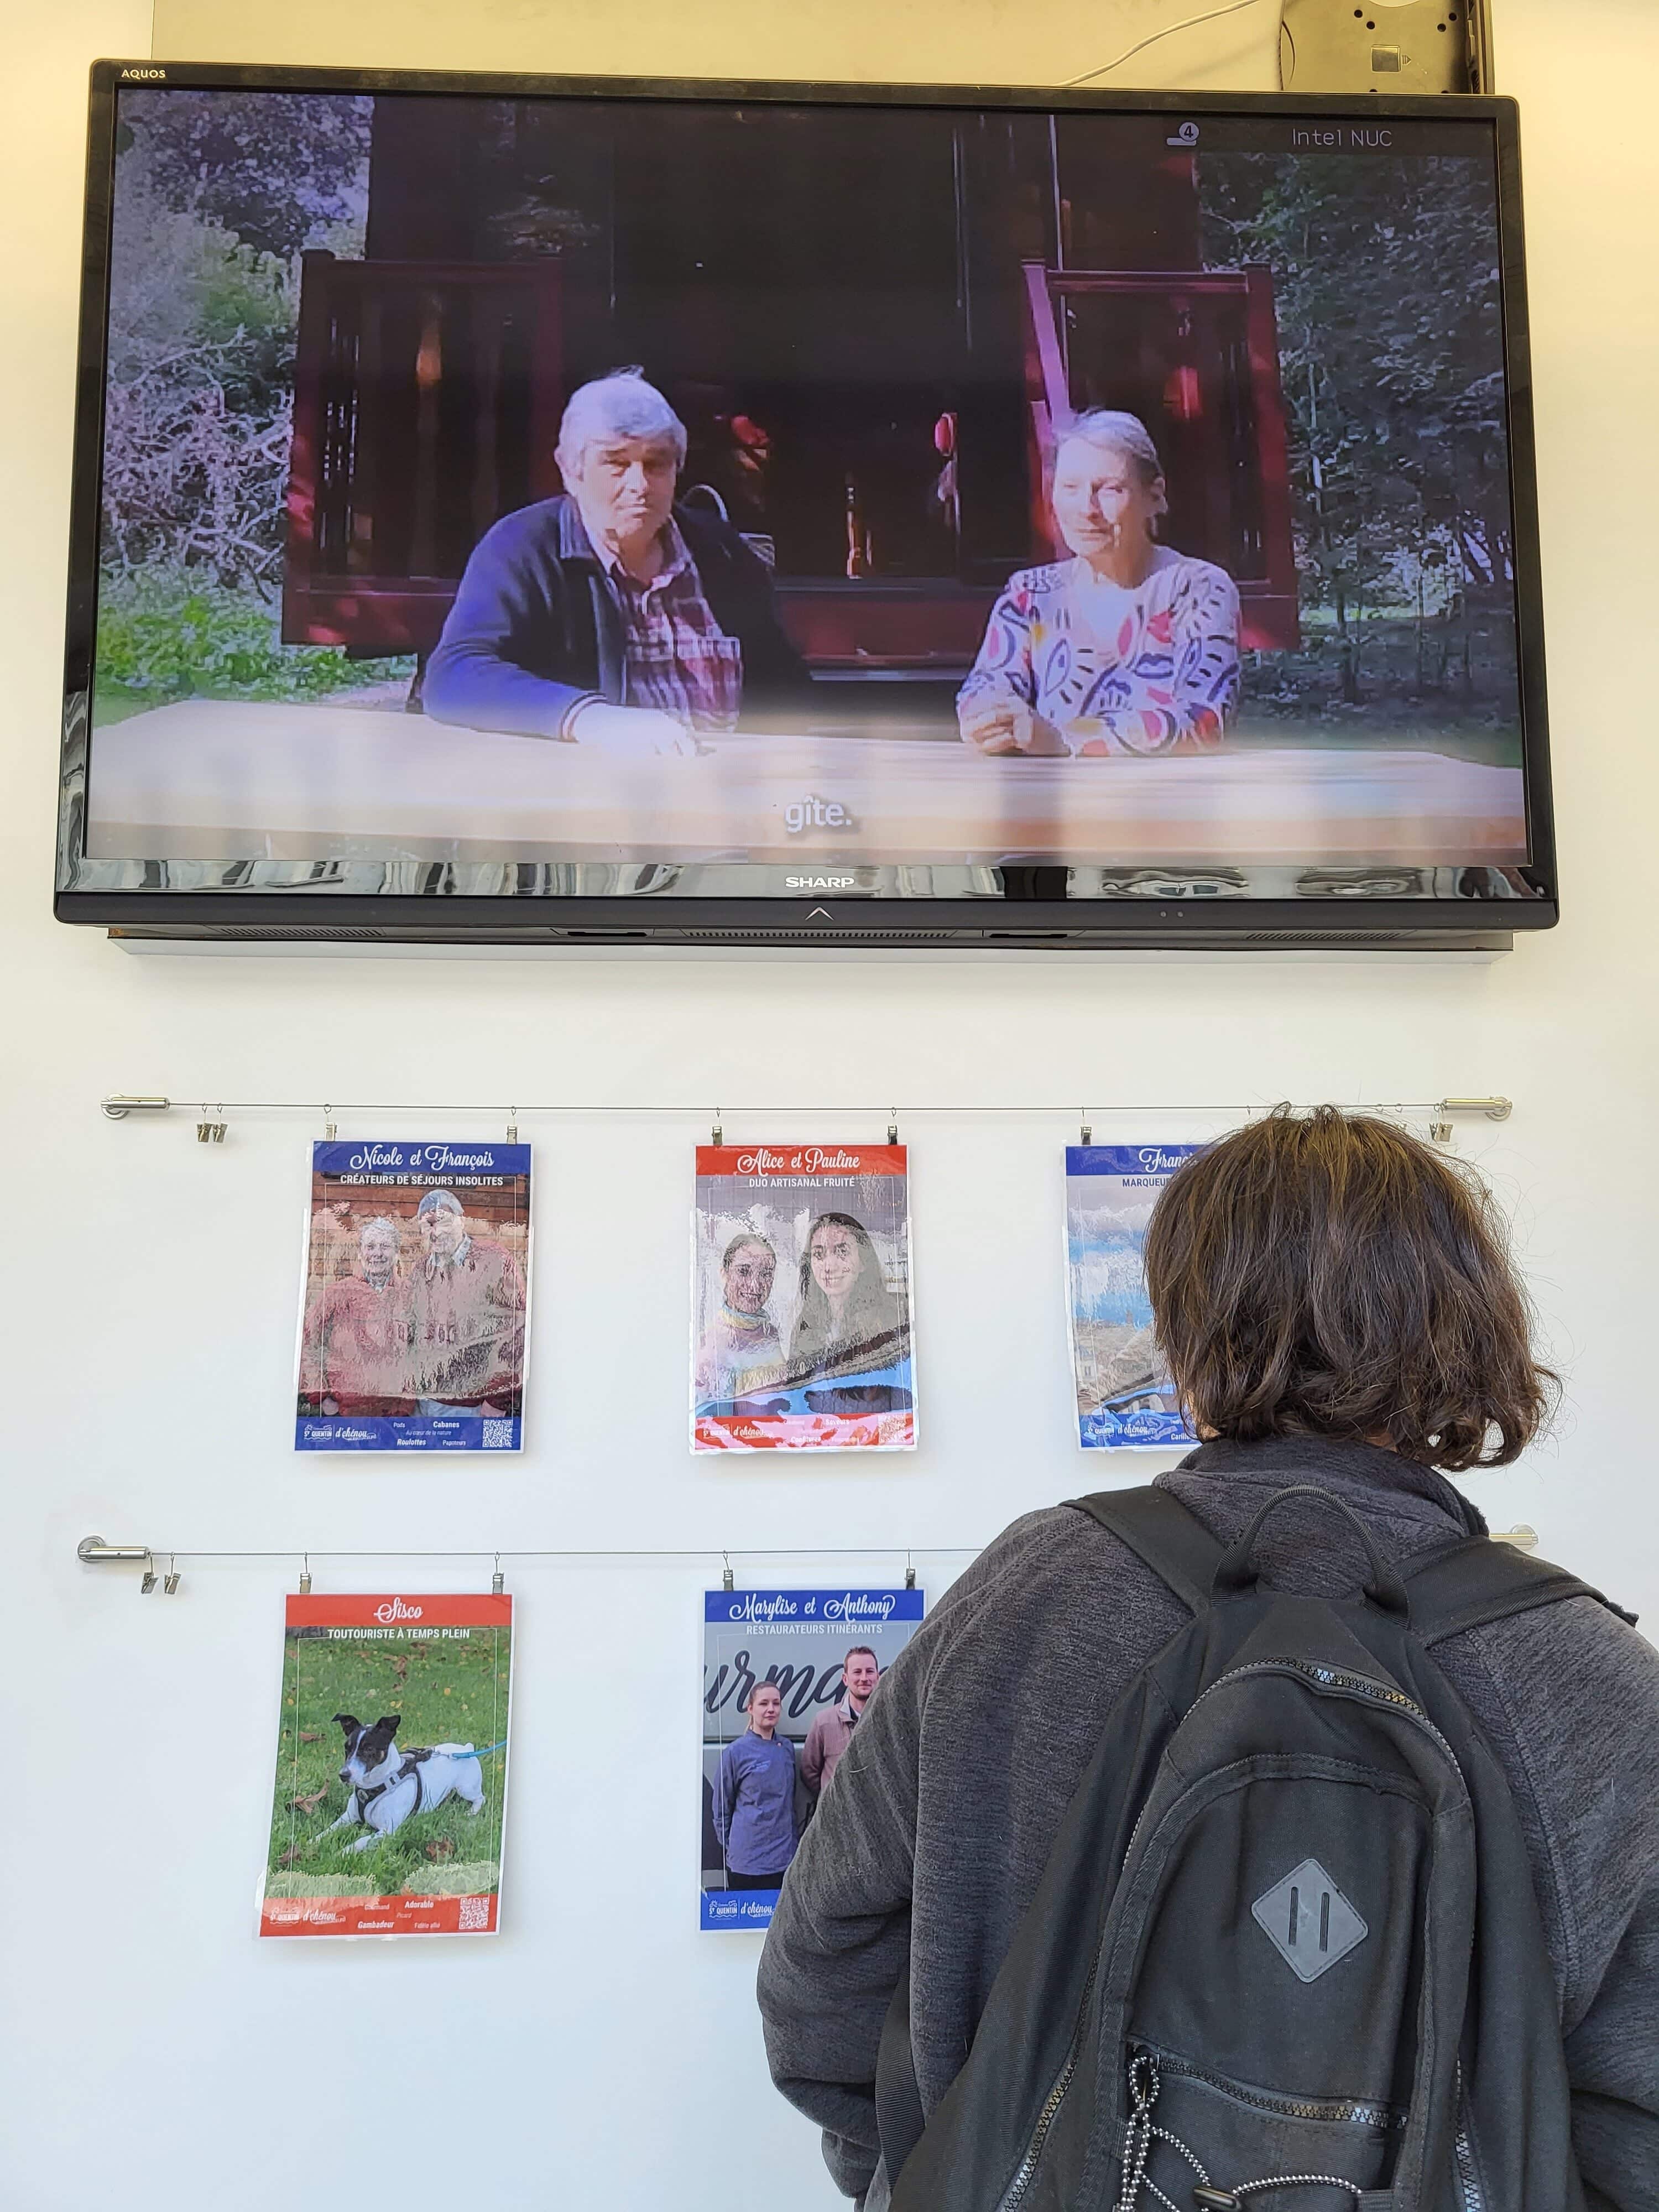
(118, 1108)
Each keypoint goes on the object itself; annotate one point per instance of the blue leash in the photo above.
(485, 1753)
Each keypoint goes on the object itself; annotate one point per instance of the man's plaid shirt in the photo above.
(678, 659)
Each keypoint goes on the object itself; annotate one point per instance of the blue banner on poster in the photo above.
(788, 1675)
(415, 1305)
(744, 1910)
(779, 1610)
(1124, 1398)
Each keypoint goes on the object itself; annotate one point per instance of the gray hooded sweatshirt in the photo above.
(948, 1798)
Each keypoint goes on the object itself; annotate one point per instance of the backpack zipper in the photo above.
(1328, 1678)
(1290, 2108)
(1473, 2200)
(1463, 2149)
(1332, 1678)
(1051, 2104)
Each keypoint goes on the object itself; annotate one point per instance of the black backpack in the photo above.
(1286, 1955)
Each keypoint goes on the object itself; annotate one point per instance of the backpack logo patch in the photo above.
(1308, 1921)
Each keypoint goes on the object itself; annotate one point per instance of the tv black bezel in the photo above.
(810, 918)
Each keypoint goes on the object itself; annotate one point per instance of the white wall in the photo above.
(601, 2051)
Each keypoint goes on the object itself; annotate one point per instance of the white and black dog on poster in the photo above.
(387, 1785)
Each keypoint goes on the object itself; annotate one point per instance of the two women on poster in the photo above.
(801, 1299)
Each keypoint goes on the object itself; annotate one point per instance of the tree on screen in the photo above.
(1391, 354)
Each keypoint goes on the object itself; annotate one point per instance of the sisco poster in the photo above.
(787, 1677)
(801, 1299)
(391, 1796)
(1124, 1398)
(415, 1306)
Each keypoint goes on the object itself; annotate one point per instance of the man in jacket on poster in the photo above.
(1338, 1309)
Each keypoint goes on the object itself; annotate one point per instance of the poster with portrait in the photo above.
(801, 1299)
(787, 1678)
(391, 1799)
(415, 1306)
(1124, 1398)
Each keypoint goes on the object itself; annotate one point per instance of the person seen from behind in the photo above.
(1339, 1310)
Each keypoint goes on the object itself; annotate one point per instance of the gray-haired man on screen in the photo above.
(610, 617)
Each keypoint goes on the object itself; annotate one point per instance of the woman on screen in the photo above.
(849, 1322)
(1128, 647)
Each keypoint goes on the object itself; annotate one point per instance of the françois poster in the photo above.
(1124, 1397)
(415, 1307)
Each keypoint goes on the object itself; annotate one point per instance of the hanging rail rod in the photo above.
(120, 1104)
(94, 1551)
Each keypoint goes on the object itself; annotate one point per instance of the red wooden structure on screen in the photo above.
(426, 399)
(1194, 354)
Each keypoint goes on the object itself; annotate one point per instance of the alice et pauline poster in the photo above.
(801, 1299)
(415, 1308)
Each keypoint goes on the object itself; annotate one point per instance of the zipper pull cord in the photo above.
(1142, 2132)
(1140, 2136)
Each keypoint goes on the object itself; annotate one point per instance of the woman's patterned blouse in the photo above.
(1154, 670)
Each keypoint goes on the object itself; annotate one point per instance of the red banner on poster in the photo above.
(815, 1160)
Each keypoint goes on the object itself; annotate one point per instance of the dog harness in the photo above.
(412, 1764)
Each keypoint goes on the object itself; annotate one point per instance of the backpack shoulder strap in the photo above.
(1161, 1531)
(1468, 1583)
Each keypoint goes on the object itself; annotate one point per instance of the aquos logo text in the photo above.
(395, 1609)
(143, 77)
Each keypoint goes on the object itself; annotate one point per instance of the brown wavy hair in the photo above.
(1330, 1274)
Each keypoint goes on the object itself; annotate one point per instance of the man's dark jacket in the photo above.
(933, 1835)
(536, 627)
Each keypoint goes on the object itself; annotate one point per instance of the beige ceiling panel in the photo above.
(910, 41)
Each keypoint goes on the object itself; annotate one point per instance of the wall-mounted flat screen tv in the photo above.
(554, 509)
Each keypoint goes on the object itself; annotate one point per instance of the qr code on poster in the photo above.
(475, 1913)
(498, 1436)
